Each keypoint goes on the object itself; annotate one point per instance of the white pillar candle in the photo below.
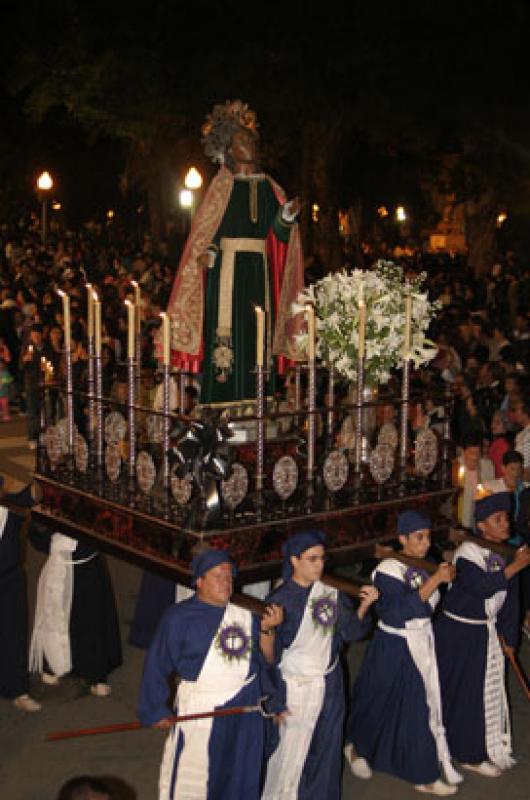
(66, 320)
(311, 333)
(137, 303)
(362, 328)
(90, 311)
(408, 324)
(130, 328)
(260, 335)
(97, 324)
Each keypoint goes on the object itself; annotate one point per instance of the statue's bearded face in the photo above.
(244, 147)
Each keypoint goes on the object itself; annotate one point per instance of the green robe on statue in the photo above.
(251, 198)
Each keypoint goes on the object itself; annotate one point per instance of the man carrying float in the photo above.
(213, 646)
(318, 620)
(396, 719)
(481, 605)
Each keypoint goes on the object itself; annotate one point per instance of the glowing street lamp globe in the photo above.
(193, 179)
(186, 198)
(45, 182)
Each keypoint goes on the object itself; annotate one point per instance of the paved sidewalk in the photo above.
(32, 769)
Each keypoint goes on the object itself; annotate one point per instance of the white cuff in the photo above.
(287, 214)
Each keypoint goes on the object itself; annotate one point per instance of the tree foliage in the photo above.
(355, 99)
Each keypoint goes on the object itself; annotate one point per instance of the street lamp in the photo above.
(193, 179)
(186, 198)
(401, 214)
(44, 184)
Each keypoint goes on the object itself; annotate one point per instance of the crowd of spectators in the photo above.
(31, 314)
(482, 330)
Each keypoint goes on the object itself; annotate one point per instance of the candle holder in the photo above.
(182, 394)
(91, 385)
(69, 407)
(261, 375)
(98, 369)
(311, 421)
(131, 416)
(41, 444)
(404, 423)
(165, 436)
(331, 406)
(138, 356)
(446, 451)
(357, 470)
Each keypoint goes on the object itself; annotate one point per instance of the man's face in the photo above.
(36, 338)
(471, 457)
(215, 586)
(484, 374)
(417, 543)
(512, 473)
(496, 528)
(309, 565)
(464, 329)
(519, 415)
(497, 425)
(243, 147)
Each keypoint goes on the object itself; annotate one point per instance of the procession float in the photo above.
(344, 448)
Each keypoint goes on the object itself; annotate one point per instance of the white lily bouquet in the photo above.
(388, 334)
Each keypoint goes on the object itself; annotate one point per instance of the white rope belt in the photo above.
(466, 620)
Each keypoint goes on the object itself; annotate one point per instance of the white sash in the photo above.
(183, 592)
(496, 709)
(229, 248)
(420, 642)
(51, 631)
(3, 520)
(219, 680)
(304, 666)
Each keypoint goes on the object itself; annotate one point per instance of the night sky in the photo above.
(93, 91)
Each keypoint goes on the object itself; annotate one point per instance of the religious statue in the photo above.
(243, 251)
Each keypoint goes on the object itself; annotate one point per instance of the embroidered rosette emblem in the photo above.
(415, 577)
(233, 643)
(324, 612)
(223, 356)
(495, 562)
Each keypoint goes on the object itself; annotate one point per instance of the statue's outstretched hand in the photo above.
(292, 207)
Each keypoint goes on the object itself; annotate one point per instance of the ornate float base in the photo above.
(167, 547)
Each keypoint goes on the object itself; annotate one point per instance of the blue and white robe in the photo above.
(480, 604)
(396, 714)
(206, 759)
(307, 760)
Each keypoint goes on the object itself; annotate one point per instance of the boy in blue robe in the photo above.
(213, 646)
(395, 724)
(481, 605)
(318, 621)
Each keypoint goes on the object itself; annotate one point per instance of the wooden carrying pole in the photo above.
(519, 674)
(258, 606)
(457, 536)
(120, 727)
(382, 551)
